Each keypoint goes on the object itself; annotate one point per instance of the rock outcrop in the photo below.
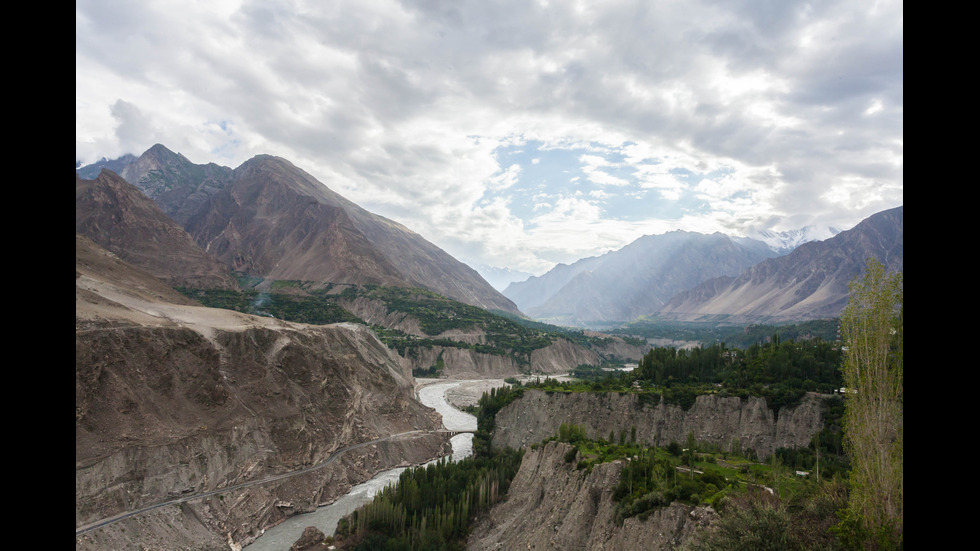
(551, 505)
(312, 537)
(713, 419)
(232, 422)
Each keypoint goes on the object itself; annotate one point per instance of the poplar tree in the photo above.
(873, 415)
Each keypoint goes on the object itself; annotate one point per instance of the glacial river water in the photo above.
(282, 536)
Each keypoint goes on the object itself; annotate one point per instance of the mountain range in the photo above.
(783, 242)
(500, 278)
(177, 399)
(633, 281)
(810, 282)
(117, 217)
(688, 276)
(269, 219)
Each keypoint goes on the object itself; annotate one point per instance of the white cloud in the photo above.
(787, 110)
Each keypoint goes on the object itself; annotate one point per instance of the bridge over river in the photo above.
(452, 433)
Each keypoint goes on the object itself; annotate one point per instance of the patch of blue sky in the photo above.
(603, 176)
(545, 174)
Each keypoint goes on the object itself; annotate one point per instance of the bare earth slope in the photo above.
(173, 399)
(114, 214)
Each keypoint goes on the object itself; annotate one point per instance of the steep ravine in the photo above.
(551, 505)
(537, 415)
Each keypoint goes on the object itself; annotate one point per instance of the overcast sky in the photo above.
(519, 133)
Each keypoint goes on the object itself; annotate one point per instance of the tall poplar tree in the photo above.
(872, 369)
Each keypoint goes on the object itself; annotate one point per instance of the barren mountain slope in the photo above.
(114, 214)
(635, 280)
(173, 399)
(275, 220)
(809, 283)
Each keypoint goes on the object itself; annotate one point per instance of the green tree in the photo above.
(872, 369)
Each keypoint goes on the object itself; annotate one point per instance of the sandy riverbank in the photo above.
(467, 393)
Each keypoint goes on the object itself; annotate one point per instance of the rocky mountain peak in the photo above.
(272, 219)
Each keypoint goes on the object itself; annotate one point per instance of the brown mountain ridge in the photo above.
(270, 219)
(120, 219)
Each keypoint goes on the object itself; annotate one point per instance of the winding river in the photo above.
(283, 535)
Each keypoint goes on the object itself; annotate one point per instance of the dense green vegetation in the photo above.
(320, 303)
(756, 519)
(873, 329)
(490, 403)
(431, 507)
(781, 371)
(743, 336)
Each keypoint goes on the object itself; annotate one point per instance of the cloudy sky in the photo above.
(519, 133)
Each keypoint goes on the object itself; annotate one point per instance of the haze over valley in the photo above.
(489, 275)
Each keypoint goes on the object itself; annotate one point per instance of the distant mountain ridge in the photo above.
(638, 279)
(270, 219)
(809, 283)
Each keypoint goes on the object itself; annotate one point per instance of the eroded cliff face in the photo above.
(723, 421)
(461, 363)
(551, 505)
(178, 401)
(466, 363)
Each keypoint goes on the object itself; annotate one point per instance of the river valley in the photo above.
(432, 393)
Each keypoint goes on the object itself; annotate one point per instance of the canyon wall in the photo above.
(723, 421)
(552, 505)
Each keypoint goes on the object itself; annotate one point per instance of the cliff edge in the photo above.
(551, 505)
(214, 425)
(724, 421)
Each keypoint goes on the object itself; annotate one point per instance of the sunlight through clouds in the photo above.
(525, 132)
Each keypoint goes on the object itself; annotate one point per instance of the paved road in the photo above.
(182, 499)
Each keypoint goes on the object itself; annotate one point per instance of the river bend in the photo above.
(283, 535)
